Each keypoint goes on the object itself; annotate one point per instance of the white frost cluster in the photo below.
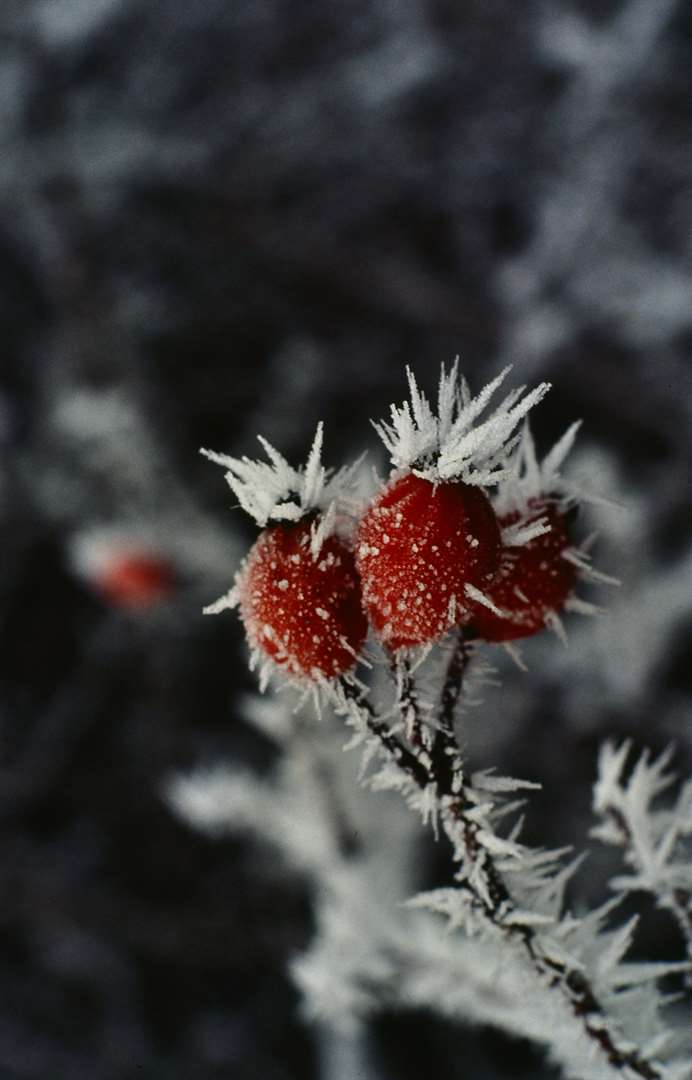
(275, 491)
(454, 443)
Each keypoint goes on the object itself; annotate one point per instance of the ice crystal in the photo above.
(528, 480)
(274, 490)
(454, 443)
(656, 841)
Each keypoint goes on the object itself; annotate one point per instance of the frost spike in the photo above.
(278, 460)
(475, 406)
(475, 594)
(447, 398)
(313, 480)
(225, 603)
(555, 457)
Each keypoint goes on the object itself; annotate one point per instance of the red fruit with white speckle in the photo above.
(305, 613)
(419, 546)
(532, 584)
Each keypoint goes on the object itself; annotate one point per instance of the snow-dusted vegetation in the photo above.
(226, 218)
(501, 942)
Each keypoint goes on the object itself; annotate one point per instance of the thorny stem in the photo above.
(403, 757)
(424, 770)
(454, 678)
(447, 762)
(448, 768)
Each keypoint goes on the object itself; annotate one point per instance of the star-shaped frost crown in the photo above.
(529, 481)
(455, 443)
(274, 490)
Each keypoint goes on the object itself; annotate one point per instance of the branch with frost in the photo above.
(512, 956)
(503, 887)
(656, 841)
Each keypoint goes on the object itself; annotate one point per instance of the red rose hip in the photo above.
(533, 582)
(303, 612)
(420, 547)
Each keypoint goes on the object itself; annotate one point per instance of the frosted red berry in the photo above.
(418, 546)
(136, 580)
(532, 583)
(303, 612)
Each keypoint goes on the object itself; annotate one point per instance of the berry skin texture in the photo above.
(418, 545)
(137, 580)
(532, 583)
(303, 613)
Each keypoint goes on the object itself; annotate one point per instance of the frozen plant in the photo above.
(655, 841)
(467, 544)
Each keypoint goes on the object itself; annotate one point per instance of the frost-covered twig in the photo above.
(447, 761)
(656, 842)
(507, 900)
(466, 815)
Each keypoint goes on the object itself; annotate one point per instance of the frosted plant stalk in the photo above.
(514, 955)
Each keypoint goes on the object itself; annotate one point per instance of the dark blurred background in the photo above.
(231, 217)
